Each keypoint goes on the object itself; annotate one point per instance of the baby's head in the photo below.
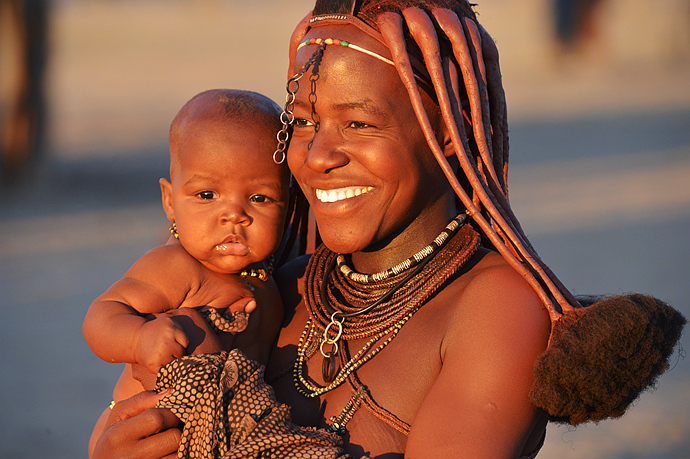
(226, 195)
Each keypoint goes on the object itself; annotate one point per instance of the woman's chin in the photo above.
(341, 243)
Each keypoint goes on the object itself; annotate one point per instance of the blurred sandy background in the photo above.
(600, 158)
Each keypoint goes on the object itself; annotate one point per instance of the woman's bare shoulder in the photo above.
(494, 330)
(499, 301)
(493, 278)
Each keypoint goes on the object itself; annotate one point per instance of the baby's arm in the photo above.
(257, 341)
(120, 326)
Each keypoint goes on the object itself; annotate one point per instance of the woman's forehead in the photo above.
(349, 80)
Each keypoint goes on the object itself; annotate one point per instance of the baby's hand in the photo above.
(160, 341)
(233, 319)
(246, 305)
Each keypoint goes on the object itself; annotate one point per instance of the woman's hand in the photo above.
(137, 430)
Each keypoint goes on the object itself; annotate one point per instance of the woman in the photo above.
(443, 376)
(421, 339)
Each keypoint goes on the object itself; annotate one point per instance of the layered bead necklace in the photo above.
(347, 305)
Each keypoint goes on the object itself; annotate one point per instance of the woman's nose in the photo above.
(325, 151)
(235, 214)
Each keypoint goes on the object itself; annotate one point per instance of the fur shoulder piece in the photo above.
(601, 357)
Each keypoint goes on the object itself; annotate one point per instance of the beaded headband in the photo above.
(346, 13)
(345, 44)
(424, 82)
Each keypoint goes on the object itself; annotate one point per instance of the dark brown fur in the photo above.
(602, 357)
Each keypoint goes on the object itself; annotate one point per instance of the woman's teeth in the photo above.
(341, 193)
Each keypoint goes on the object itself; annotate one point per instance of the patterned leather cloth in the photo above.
(229, 411)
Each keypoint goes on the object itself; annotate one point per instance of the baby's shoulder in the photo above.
(170, 252)
(165, 261)
(166, 256)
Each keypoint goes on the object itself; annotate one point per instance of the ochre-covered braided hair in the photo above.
(459, 61)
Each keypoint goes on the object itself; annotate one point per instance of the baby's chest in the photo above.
(218, 295)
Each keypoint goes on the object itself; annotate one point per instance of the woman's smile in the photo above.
(340, 194)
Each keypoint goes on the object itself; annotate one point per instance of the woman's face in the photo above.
(359, 153)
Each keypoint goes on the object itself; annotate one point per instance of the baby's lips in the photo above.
(233, 248)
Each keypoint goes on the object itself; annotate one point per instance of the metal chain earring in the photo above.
(287, 117)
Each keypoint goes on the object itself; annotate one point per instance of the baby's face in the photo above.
(229, 197)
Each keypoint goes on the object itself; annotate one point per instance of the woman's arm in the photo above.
(478, 406)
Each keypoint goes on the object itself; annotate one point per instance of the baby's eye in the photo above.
(259, 198)
(206, 194)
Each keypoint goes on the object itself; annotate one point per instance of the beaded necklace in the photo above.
(261, 273)
(436, 244)
(404, 292)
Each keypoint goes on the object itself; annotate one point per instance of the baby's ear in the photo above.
(166, 196)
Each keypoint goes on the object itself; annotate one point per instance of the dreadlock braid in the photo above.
(369, 10)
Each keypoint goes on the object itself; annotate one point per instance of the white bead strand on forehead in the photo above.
(344, 44)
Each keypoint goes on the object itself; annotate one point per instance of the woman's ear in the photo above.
(447, 143)
(166, 197)
(448, 147)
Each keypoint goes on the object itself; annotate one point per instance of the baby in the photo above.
(227, 201)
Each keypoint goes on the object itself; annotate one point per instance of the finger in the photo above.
(142, 374)
(163, 437)
(250, 306)
(246, 304)
(153, 423)
(177, 352)
(181, 337)
(153, 433)
(133, 406)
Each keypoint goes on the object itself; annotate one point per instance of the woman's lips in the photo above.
(340, 194)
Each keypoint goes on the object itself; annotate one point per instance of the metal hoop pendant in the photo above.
(329, 367)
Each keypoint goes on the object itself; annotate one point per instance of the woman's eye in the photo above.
(358, 125)
(302, 122)
(206, 195)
